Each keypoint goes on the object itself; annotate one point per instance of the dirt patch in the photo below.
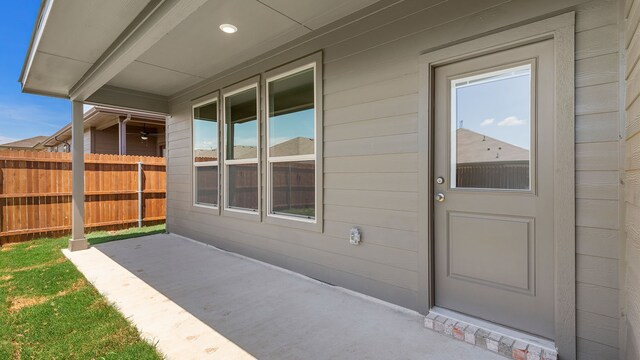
(81, 283)
(122, 336)
(17, 350)
(8, 247)
(31, 247)
(6, 277)
(98, 305)
(38, 266)
(21, 302)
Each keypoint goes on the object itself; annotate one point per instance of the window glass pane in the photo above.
(491, 130)
(293, 188)
(207, 185)
(243, 186)
(241, 125)
(205, 133)
(292, 114)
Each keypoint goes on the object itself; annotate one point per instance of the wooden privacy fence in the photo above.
(494, 175)
(35, 193)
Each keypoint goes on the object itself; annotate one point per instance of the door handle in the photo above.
(439, 197)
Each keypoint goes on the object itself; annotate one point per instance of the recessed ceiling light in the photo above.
(228, 28)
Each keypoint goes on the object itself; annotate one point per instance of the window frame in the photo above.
(208, 208)
(237, 88)
(533, 122)
(314, 62)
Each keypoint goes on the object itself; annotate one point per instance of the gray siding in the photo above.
(106, 142)
(370, 157)
(632, 179)
(87, 140)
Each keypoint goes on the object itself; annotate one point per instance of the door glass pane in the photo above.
(241, 125)
(491, 130)
(243, 186)
(205, 133)
(293, 188)
(207, 185)
(292, 115)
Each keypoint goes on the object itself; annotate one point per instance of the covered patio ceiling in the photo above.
(92, 50)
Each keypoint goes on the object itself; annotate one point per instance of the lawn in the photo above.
(49, 311)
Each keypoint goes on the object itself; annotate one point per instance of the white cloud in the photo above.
(512, 121)
(487, 122)
(4, 139)
(205, 144)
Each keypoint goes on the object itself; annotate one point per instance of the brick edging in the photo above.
(509, 347)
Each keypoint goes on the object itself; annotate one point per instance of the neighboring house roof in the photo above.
(473, 147)
(244, 152)
(102, 117)
(202, 155)
(29, 143)
(295, 146)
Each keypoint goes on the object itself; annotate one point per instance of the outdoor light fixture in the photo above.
(228, 28)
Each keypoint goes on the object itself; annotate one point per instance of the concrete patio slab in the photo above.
(199, 302)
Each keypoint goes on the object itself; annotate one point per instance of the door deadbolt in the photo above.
(439, 197)
(440, 180)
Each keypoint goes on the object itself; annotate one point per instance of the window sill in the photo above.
(295, 223)
(206, 209)
(242, 214)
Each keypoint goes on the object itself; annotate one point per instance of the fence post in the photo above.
(140, 194)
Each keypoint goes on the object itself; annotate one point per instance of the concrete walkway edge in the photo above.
(177, 334)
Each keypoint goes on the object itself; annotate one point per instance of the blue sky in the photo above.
(499, 109)
(290, 126)
(23, 115)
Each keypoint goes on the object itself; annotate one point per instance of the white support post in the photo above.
(77, 241)
(140, 184)
(122, 134)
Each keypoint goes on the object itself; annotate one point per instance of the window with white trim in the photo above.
(241, 136)
(291, 144)
(205, 154)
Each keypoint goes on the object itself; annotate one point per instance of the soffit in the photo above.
(196, 49)
(76, 33)
(315, 14)
(83, 29)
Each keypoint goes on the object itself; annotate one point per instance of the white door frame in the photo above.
(561, 29)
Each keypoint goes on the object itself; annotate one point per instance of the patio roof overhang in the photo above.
(140, 53)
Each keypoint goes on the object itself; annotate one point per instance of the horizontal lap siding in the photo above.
(632, 179)
(370, 156)
(597, 181)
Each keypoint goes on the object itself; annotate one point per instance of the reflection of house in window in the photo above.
(295, 146)
(485, 162)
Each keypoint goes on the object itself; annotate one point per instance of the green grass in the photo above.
(49, 311)
(306, 212)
